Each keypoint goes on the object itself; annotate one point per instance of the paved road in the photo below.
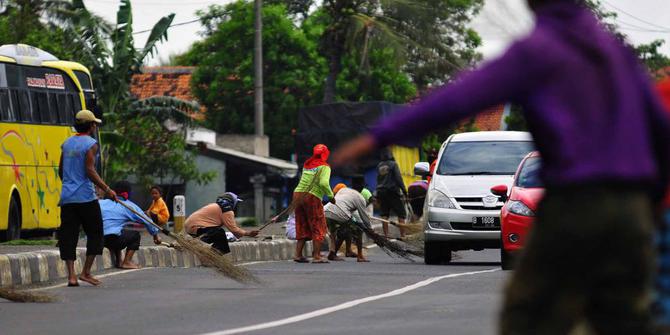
(387, 296)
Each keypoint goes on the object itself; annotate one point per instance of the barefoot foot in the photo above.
(90, 279)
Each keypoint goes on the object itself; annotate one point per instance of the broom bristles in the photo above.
(389, 247)
(24, 296)
(213, 258)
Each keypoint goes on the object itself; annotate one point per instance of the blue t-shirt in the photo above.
(77, 188)
(115, 217)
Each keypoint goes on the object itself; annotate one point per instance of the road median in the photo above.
(34, 267)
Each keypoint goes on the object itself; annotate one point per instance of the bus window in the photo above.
(53, 108)
(6, 111)
(66, 110)
(40, 107)
(84, 80)
(25, 113)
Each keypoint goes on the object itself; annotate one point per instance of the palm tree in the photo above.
(421, 31)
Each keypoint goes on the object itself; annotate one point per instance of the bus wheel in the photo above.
(14, 221)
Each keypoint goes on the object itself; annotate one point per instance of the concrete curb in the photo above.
(45, 265)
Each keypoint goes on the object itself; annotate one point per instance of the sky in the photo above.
(499, 23)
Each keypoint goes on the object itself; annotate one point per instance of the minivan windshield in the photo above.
(529, 176)
(483, 158)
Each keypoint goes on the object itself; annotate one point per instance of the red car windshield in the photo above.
(529, 176)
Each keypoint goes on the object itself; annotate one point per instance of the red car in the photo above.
(518, 213)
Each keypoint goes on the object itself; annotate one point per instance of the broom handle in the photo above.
(385, 221)
(291, 205)
(163, 230)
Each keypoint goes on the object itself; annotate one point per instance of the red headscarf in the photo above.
(319, 157)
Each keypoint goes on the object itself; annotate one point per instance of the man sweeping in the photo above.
(310, 222)
(349, 205)
(115, 219)
(604, 139)
(78, 200)
(390, 191)
(207, 223)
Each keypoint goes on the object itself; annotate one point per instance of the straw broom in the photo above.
(25, 296)
(207, 255)
(408, 228)
(391, 248)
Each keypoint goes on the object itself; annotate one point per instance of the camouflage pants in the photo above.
(589, 260)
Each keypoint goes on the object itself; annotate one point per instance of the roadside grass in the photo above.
(30, 242)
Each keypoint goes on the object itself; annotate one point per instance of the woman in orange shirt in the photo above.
(158, 209)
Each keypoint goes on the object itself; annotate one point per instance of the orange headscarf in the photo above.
(338, 187)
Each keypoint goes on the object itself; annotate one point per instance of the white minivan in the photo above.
(461, 212)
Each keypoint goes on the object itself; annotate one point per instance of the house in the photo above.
(242, 162)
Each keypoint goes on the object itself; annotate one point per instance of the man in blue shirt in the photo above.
(78, 201)
(114, 219)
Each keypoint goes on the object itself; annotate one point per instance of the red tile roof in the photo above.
(172, 81)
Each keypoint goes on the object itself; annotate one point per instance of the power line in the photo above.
(638, 18)
(172, 25)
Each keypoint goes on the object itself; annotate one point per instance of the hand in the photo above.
(353, 150)
(157, 240)
(253, 233)
(110, 193)
(274, 219)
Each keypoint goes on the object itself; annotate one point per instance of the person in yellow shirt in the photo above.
(158, 210)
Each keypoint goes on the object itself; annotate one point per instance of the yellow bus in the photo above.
(39, 96)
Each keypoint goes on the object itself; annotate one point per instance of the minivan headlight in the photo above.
(441, 201)
(519, 208)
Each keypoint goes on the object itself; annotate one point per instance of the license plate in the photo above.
(486, 222)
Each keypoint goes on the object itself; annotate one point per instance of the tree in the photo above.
(223, 80)
(651, 56)
(144, 147)
(21, 22)
(110, 51)
(376, 77)
(431, 34)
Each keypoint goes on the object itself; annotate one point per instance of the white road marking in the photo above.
(346, 305)
(127, 271)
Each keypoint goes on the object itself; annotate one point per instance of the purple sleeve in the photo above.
(499, 81)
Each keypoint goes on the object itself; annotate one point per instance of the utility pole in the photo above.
(258, 66)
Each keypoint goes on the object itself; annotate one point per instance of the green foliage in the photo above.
(20, 23)
(110, 51)
(515, 120)
(650, 55)
(135, 140)
(142, 146)
(223, 80)
(430, 38)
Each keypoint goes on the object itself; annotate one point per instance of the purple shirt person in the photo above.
(603, 136)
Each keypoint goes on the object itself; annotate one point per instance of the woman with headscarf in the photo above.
(208, 222)
(310, 222)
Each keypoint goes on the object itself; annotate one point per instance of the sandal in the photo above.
(333, 257)
(301, 260)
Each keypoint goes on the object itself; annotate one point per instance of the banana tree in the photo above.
(109, 50)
